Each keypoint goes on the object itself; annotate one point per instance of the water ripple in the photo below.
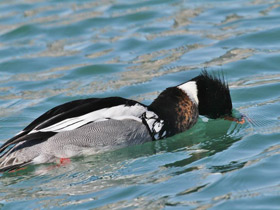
(52, 52)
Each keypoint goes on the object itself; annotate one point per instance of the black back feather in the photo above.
(62, 112)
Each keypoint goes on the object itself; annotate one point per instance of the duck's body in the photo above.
(95, 125)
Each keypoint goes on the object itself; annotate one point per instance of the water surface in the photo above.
(55, 51)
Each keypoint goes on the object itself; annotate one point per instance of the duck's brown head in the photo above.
(205, 94)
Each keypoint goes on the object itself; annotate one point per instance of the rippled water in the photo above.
(56, 51)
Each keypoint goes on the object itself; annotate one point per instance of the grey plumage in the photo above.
(89, 139)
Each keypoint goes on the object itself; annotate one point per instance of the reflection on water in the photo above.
(124, 167)
(56, 51)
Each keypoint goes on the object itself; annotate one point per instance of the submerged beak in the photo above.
(240, 120)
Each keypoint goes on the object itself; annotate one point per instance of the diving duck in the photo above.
(89, 126)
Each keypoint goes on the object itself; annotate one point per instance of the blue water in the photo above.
(55, 51)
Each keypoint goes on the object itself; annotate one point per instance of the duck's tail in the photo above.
(11, 167)
(17, 157)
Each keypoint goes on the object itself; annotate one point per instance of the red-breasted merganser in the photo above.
(92, 125)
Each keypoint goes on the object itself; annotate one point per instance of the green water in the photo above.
(55, 51)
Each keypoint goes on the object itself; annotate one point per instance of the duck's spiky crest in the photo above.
(213, 94)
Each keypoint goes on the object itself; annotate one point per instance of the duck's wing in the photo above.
(75, 114)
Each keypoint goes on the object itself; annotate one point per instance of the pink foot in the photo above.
(15, 170)
(64, 161)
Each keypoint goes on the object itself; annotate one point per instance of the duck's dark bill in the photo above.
(240, 120)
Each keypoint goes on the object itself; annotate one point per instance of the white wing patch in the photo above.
(154, 123)
(119, 112)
